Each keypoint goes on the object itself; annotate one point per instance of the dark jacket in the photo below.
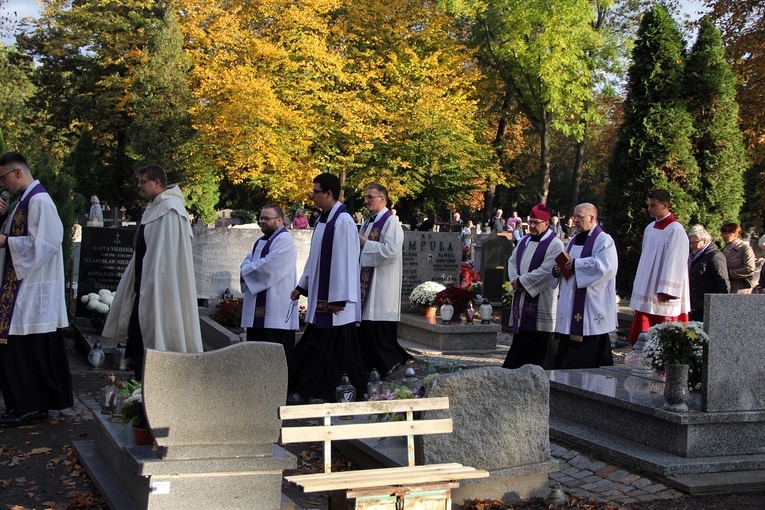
(708, 275)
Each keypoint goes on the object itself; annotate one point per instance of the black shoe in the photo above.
(295, 399)
(7, 415)
(23, 419)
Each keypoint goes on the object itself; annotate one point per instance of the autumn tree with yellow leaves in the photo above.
(366, 90)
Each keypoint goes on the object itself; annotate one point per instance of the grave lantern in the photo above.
(96, 355)
(375, 385)
(485, 311)
(447, 312)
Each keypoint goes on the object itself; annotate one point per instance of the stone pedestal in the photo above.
(454, 337)
(214, 418)
(718, 446)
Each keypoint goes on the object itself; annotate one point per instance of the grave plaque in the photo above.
(104, 255)
(430, 256)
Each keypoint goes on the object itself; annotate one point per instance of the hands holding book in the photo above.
(564, 266)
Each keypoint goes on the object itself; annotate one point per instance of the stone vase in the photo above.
(676, 388)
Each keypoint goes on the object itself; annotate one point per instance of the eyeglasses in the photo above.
(6, 173)
(266, 218)
(315, 191)
(578, 217)
(696, 243)
(141, 182)
(370, 197)
(536, 222)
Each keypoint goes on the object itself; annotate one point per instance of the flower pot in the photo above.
(143, 436)
(676, 388)
(427, 311)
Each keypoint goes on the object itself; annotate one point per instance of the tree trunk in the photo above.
(544, 164)
(576, 178)
(488, 202)
(341, 198)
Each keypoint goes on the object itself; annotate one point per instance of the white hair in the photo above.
(700, 232)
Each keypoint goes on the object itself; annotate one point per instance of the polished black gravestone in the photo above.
(104, 255)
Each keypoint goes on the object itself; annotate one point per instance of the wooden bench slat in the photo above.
(401, 469)
(357, 408)
(365, 430)
(370, 478)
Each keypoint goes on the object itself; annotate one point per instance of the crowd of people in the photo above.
(564, 298)
(563, 304)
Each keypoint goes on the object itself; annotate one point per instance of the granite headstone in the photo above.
(495, 251)
(219, 252)
(733, 378)
(104, 255)
(430, 256)
(500, 423)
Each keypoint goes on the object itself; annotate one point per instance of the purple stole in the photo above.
(580, 294)
(368, 273)
(527, 316)
(10, 284)
(260, 299)
(323, 316)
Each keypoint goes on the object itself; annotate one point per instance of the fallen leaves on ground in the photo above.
(571, 504)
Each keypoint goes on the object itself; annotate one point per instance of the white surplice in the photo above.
(168, 311)
(597, 273)
(39, 264)
(276, 275)
(384, 293)
(345, 277)
(663, 268)
(537, 282)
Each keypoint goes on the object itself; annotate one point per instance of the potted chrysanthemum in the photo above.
(676, 349)
(98, 305)
(424, 296)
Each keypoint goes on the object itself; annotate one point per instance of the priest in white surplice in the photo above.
(155, 306)
(329, 347)
(661, 292)
(382, 241)
(534, 300)
(268, 276)
(587, 300)
(34, 368)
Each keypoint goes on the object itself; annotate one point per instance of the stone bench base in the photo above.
(448, 338)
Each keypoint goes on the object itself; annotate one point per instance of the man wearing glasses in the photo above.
(661, 290)
(587, 302)
(155, 306)
(34, 369)
(268, 276)
(330, 280)
(382, 241)
(534, 301)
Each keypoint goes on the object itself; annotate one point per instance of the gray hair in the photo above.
(700, 232)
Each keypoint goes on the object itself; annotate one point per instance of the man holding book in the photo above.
(586, 315)
(533, 309)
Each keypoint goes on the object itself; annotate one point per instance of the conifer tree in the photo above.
(718, 143)
(653, 148)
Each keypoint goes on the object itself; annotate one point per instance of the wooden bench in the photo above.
(422, 487)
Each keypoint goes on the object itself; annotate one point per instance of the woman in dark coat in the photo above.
(707, 268)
